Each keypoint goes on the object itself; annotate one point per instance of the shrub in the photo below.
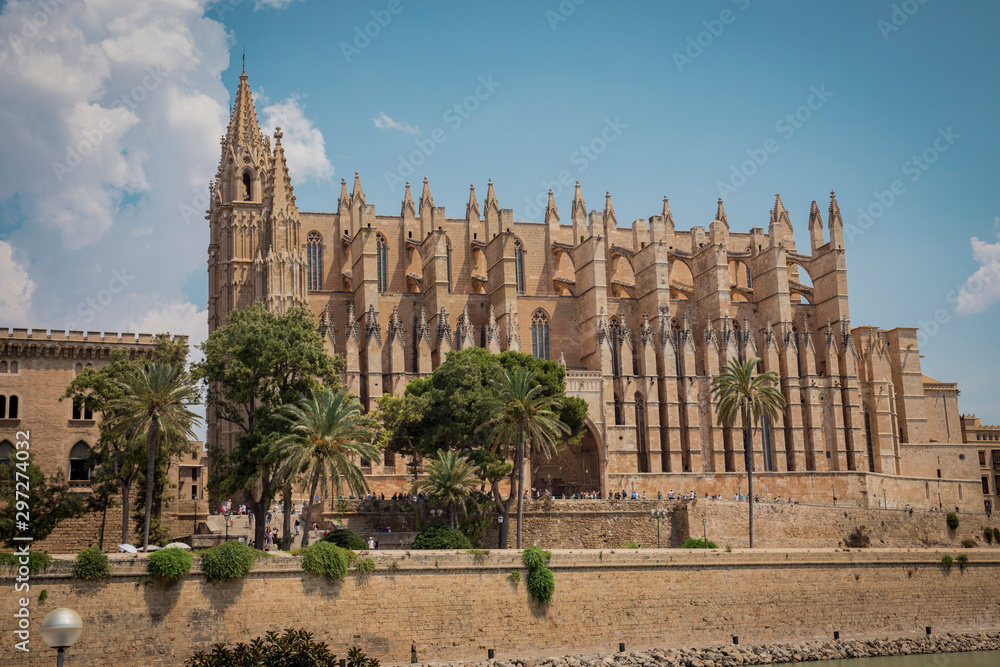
(996, 535)
(988, 534)
(37, 561)
(953, 521)
(346, 539)
(365, 566)
(295, 647)
(170, 564)
(969, 544)
(514, 577)
(43, 596)
(858, 539)
(696, 543)
(729, 548)
(441, 536)
(947, 562)
(91, 563)
(962, 561)
(393, 566)
(541, 584)
(357, 658)
(325, 559)
(533, 557)
(633, 545)
(479, 556)
(230, 560)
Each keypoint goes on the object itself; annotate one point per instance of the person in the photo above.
(296, 528)
(413, 652)
(371, 543)
(659, 495)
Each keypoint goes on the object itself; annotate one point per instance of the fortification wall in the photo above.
(455, 608)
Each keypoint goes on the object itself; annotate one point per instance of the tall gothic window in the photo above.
(247, 186)
(749, 276)
(798, 353)
(314, 261)
(615, 336)
(448, 264)
(868, 438)
(519, 265)
(767, 444)
(540, 335)
(640, 431)
(382, 254)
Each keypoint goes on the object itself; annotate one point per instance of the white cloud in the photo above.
(305, 148)
(15, 297)
(384, 122)
(982, 288)
(272, 4)
(176, 318)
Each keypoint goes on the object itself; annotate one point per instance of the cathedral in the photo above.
(641, 317)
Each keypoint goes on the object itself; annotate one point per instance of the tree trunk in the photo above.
(519, 464)
(503, 509)
(125, 509)
(312, 495)
(286, 520)
(154, 426)
(259, 509)
(104, 520)
(748, 455)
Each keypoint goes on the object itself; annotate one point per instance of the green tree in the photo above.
(740, 394)
(524, 423)
(155, 403)
(48, 502)
(450, 479)
(326, 431)
(255, 364)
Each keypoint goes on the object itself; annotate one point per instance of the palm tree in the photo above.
(524, 422)
(326, 432)
(450, 479)
(740, 393)
(155, 403)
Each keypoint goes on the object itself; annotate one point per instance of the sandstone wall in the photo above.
(455, 608)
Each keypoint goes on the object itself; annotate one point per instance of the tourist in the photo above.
(296, 527)
(413, 652)
(659, 496)
(371, 543)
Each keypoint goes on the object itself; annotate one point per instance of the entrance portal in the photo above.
(575, 470)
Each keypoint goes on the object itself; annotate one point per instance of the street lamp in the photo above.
(833, 490)
(657, 515)
(60, 630)
(704, 527)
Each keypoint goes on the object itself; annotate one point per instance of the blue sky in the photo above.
(693, 90)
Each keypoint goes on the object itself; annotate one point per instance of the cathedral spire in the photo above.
(610, 220)
(243, 129)
(357, 194)
(408, 202)
(551, 212)
(815, 217)
(815, 227)
(344, 202)
(579, 206)
(834, 211)
(720, 213)
(472, 208)
(425, 196)
(491, 202)
(281, 183)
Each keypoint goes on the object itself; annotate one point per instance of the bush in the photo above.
(325, 559)
(953, 521)
(357, 658)
(696, 543)
(533, 557)
(441, 536)
(947, 562)
(996, 535)
(541, 584)
(514, 577)
(295, 647)
(988, 534)
(346, 539)
(91, 563)
(37, 562)
(365, 566)
(633, 545)
(962, 561)
(969, 544)
(170, 564)
(230, 560)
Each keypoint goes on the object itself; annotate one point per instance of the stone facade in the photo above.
(455, 608)
(642, 317)
(982, 435)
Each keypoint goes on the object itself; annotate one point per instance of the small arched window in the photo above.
(540, 335)
(247, 186)
(13, 367)
(382, 257)
(79, 471)
(314, 261)
(519, 265)
(3, 366)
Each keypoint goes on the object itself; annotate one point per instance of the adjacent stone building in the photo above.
(987, 439)
(641, 316)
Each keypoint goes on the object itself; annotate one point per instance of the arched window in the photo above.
(79, 471)
(6, 456)
(81, 411)
(519, 265)
(3, 366)
(868, 437)
(3, 406)
(8, 407)
(540, 335)
(640, 433)
(382, 257)
(314, 261)
(448, 264)
(798, 352)
(749, 276)
(247, 186)
(619, 417)
(13, 367)
(615, 336)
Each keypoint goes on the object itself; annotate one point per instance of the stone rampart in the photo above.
(454, 607)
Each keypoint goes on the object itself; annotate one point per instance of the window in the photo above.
(3, 366)
(80, 410)
(619, 417)
(247, 186)
(868, 437)
(982, 457)
(314, 261)
(381, 254)
(13, 367)
(749, 277)
(986, 484)
(766, 435)
(448, 265)
(798, 353)
(995, 456)
(540, 335)
(615, 336)
(79, 471)
(640, 433)
(8, 407)
(519, 265)
(6, 454)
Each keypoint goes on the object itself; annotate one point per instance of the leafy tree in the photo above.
(294, 648)
(255, 364)
(48, 503)
(739, 394)
(441, 536)
(155, 403)
(326, 431)
(523, 423)
(346, 539)
(450, 480)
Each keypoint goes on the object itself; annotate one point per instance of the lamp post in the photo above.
(657, 515)
(704, 527)
(833, 490)
(227, 525)
(60, 630)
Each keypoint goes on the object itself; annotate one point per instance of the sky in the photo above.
(112, 112)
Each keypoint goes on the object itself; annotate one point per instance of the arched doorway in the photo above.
(575, 470)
